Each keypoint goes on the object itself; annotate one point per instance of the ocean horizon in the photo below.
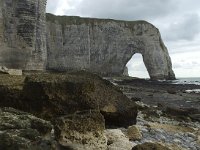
(187, 80)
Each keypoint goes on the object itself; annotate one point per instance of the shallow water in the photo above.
(187, 81)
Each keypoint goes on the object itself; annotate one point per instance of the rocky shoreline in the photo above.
(80, 111)
(167, 113)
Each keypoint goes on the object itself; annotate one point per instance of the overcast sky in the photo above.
(177, 20)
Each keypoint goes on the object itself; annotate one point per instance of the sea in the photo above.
(188, 80)
(191, 80)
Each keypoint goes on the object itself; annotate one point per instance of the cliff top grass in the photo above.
(76, 20)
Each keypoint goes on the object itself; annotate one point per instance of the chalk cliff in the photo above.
(105, 46)
(32, 40)
(22, 34)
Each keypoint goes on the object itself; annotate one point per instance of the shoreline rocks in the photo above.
(89, 128)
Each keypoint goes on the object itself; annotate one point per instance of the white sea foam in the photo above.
(195, 81)
(193, 91)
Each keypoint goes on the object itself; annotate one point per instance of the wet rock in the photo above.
(134, 133)
(150, 146)
(172, 91)
(184, 112)
(83, 129)
(50, 95)
(20, 130)
(136, 99)
(117, 140)
(195, 117)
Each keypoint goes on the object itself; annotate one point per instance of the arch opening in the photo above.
(136, 67)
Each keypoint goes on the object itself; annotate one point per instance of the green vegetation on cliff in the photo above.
(70, 20)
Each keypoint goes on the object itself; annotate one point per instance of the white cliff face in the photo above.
(22, 34)
(105, 46)
(28, 42)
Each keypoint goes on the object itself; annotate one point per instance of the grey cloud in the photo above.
(52, 6)
(195, 63)
(126, 9)
(186, 28)
(177, 65)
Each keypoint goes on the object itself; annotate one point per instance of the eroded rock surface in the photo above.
(20, 130)
(82, 130)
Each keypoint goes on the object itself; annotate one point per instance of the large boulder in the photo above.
(82, 130)
(50, 95)
(20, 131)
(134, 133)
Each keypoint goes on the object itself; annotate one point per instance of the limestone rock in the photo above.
(134, 133)
(20, 130)
(15, 72)
(5, 70)
(105, 46)
(82, 130)
(150, 146)
(50, 95)
(117, 140)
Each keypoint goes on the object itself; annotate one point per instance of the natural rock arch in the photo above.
(105, 46)
(29, 42)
